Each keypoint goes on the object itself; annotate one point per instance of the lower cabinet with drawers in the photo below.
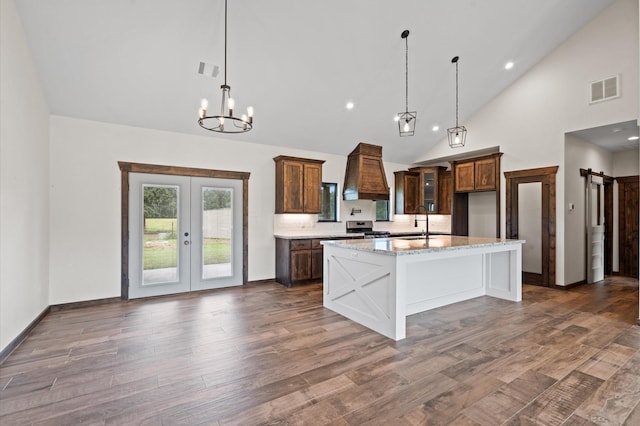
(299, 261)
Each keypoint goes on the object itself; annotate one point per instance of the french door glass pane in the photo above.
(160, 214)
(217, 232)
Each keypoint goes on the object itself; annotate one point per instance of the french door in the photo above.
(185, 234)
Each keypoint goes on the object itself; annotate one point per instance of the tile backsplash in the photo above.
(308, 223)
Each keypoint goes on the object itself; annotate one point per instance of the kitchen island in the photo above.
(378, 282)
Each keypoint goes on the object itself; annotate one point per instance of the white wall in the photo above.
(24, 182)
(482, 214)
(85, 196)
(529, 119)
(580, 154)
(625, 163)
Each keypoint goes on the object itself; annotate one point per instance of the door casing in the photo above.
(126, 168)
(547, 176)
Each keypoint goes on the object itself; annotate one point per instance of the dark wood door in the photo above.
(293, 189)
(312, 184)
(300, 265)
(464, 177)
(316, 264)
(628, 225)
(406, 194)
(445, 192)
(485, 178)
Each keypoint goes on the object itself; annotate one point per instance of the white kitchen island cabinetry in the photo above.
(378, 282)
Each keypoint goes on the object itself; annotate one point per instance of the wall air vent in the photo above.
(208, 70)
(603, 90)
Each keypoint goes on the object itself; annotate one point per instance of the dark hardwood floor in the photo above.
(265, 354)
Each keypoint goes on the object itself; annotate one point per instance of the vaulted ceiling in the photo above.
(297, 62)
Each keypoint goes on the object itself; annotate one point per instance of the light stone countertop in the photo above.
(417, 245)
(301, 235)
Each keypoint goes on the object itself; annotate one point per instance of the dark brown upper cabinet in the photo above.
(406, 192)
(423, 186)
(477, 174)
(298, 182)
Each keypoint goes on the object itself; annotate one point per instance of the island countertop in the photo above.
(418, 245)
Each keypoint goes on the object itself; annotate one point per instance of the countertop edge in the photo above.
(363, 246)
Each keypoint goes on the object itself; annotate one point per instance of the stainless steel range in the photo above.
(365, 227)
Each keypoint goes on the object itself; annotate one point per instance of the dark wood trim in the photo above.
(84, 304)
(262, 282)
(245, 229)
(608, 227)
(605, 178)
(126, 168)
(627, 179)
(547, 176)
(13, 344)
(124, 233)
(181, 171)
(540, 171)
(532, 278)
(570, 286)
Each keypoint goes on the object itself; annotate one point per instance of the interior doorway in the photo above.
(192, 200)
(521, 215)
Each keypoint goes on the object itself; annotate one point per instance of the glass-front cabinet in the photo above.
(423, 186)
(432, 188)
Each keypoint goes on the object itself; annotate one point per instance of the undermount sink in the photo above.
(412, 238)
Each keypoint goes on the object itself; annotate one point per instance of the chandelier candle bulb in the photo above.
(250, 114)
(230, 104)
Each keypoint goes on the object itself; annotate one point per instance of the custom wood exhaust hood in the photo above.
(364, 178)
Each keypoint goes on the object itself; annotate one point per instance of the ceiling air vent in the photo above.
(603, 90)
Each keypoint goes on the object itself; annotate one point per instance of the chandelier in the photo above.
(225, 122)
(457, 135)
(406, 120)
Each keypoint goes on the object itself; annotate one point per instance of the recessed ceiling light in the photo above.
(508, 65)
(350, 105)
(634, 138)
(435, 128)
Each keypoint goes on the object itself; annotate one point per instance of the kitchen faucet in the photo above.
(426, 220)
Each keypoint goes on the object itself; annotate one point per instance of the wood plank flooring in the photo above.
(265, 354)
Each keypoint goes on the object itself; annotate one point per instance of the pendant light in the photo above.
(406, 120)
(225, 122)
(457, 135)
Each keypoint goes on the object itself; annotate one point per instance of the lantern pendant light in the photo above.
(406, 120)
(225, 122)
(457, 135)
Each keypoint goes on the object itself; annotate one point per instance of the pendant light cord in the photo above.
(456, 93)
(225, 42)
(406, 74)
